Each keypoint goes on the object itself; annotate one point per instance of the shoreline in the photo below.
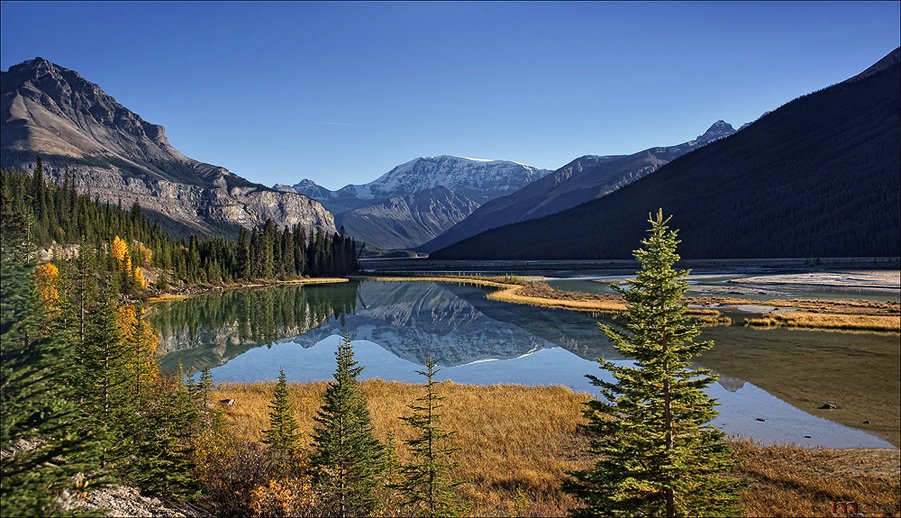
(842, 314)
(192, 290)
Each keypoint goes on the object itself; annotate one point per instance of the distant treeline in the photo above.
(818, 177)
(37, 213)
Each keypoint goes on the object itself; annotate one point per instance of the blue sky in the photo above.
(341, 92)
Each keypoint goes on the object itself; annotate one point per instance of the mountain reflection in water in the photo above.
(456, 323)
(248, 335)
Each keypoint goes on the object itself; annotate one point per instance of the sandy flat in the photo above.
(884, 279)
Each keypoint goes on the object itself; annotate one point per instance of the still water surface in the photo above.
(249, 335)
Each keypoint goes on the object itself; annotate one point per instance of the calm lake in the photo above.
(248, 335)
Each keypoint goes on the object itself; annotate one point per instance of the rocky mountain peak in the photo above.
(37, 63)
(117, 155)
(85, 119)
(477, 179)
(719, 129)
(39, 67)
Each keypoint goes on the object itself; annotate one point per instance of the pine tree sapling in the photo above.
(657, 456)
(205, 386)
(347, 459)
(428, 486)
(282, 435)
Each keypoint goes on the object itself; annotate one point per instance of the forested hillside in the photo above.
(37, 213)
(818, 177)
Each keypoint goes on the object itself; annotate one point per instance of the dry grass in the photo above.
(165, 297)
(805, 482)
(542, 294)
(315, 280)
(814, 314)
(505, 281)
(512, 436)
(828, 321)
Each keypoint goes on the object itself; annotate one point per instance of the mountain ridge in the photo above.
(404, 222)
(817, 177)
(115, 154)
(477, 179)
(582, 180)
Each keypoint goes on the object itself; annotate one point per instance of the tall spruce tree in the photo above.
(162, 440)
(657, 456)
(105, 382)
(428, 485)
(347, 458)
(45, 439)
(205, 386)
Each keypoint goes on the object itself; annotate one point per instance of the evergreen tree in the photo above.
(300, 253)
(106, 382)
(282, 435)
(162, 441)
(13, 224)
(347, 458)
(205, 386)
(243, 259)
(656, 454)
(37, 190)
(46, 438)
(428, 487)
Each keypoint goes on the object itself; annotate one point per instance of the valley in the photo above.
(496, 270)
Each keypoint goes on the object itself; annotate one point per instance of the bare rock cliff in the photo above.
(116, 155)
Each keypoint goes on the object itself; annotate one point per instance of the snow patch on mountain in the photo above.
(475, 178)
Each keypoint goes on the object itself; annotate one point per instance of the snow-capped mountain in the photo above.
(584, 179)
(476, 179)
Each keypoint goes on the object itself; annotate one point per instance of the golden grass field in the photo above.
(517, 438)
(828, 321)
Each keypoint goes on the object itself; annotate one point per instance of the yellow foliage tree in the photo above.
(139, 278)
(144, 253)
(46, 277)
(120, 252)
(143, 341)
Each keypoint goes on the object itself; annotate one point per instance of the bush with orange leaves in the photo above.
(47, 282)
(139, 278)
(229, 469)
(288, 497)
(142, 254)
